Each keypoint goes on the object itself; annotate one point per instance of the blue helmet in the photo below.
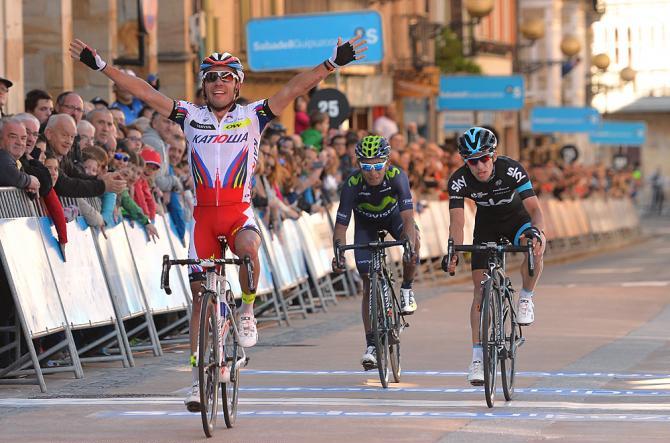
(477, 141)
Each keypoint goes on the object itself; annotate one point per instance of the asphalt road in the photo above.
(595, 367)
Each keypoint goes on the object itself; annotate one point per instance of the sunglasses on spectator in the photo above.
(484, 158)
(224, 76)
(372, 166)
(122, 157)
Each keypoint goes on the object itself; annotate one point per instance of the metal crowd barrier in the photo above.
(108, 281)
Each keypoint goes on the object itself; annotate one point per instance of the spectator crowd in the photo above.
(134, 160)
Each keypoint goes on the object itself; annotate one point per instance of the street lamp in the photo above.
(476, 9)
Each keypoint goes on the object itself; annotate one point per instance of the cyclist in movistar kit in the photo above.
(506, 207)
(222, 141)
(380, 198)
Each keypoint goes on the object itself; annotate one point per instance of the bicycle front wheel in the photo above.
(487, 335)
(231, 388)
(208, 362)
(379, 329)
(511, 331)
(394, 342)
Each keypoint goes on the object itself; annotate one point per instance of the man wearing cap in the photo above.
(4, 92)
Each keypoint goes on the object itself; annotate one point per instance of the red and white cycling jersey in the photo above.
(222, 154)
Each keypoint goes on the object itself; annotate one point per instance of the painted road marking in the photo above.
(336, 401)
(533, 374)
(628, 270)
(460, 415)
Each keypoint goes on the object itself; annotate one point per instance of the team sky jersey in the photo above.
(499, 199)
(374, 203)
(222, 155)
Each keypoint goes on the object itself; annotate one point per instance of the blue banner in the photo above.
(480, 93)
(565, 119)
(620, 133)
(304, 41)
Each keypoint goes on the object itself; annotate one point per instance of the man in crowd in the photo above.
(129, 105)
(4, 93)
(40, 104)
(70, 103)
(103, 122)
(60, 133)
(86, 133)
(12, 146)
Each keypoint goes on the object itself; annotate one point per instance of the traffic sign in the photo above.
(480, 93)
(563, 119)
(332, 102)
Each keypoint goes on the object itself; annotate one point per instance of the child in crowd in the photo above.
(128, 207)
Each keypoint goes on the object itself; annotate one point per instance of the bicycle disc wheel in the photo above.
(380, 332)
(394, 342)
(489, 349)
(208, 362)
(511, 331)
(230, 389)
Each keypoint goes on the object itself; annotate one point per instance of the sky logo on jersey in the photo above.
(223, 138)
(459, 184)
(514, 172)
(238, 124)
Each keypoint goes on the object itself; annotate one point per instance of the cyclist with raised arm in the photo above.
(506, 207)
(222, 142)
(380, 198)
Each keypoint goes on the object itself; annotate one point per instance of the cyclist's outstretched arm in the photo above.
(343, 54)
(135, 85)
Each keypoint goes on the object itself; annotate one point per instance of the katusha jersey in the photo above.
(222, 155)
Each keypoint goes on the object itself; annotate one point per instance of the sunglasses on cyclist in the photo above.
(372, 166)
(224, 76)
(122, 157)
(484, 158)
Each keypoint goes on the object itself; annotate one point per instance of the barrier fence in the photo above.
(111, 283)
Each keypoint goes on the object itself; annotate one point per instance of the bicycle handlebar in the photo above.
(372, 245)
(491, 247)
(167, 263)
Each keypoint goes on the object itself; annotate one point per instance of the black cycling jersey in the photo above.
(500, 197)
(374, 203)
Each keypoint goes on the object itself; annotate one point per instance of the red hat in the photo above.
(151, 157)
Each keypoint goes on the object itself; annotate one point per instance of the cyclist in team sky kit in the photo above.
(222, 140)
(379, 195)
(506, 207)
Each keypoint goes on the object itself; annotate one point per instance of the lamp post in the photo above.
(476, 9)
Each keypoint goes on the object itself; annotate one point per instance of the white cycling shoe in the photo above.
(526, 312)
(476, 373)
(369, 359)
(248, 331)
(192, 400)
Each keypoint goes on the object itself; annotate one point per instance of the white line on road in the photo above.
(429, 373)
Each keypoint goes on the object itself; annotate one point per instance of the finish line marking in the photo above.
(493, 415)
(533, 374)
(333, 401)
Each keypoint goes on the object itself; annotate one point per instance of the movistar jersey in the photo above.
(497, 199)
(222, 154)
(374, 202)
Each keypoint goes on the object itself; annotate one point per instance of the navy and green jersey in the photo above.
(497, 199)
(374, 203)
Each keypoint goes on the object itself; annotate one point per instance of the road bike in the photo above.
(499, 332)
(218, 350)
(386, 318)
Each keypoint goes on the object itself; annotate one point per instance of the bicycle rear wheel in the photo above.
(394, 341)
(230, 389)
(487, 335)
(507, 361)
(208, 362)
(379, 329)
